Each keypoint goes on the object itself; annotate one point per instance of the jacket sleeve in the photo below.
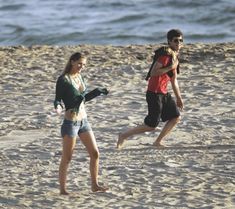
(59, 92)
(94, 93)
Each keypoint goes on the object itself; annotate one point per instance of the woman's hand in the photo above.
(59, 110)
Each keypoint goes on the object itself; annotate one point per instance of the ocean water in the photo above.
(115, 22)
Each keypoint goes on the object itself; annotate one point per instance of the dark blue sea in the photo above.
(114, 22)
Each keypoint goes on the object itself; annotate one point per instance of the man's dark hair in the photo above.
(173, 33)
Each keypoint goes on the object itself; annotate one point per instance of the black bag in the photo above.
(163, 51)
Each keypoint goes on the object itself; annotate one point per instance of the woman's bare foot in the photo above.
(98, 188)
(120, 141)
(64, 192)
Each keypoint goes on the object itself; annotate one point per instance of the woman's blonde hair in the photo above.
(74, 57)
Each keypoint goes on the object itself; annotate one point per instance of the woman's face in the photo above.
(78, 65)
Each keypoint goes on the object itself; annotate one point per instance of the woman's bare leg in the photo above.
(68, 147)
(88, 139)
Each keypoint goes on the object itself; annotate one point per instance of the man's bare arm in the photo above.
(159, 70)
(176, 89)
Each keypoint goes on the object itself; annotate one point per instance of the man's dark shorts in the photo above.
(160, 106)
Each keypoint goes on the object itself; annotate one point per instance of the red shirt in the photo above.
(158, 84)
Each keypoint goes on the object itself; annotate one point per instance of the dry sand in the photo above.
(195, 170)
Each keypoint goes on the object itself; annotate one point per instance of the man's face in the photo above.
(176, 43)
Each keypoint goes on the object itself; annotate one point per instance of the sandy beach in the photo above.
(195, 170)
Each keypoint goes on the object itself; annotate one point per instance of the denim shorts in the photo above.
(74, 128)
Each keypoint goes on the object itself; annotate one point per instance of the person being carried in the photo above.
(71, 89)
(161, 104)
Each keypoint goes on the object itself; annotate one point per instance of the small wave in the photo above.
(129, 38)
(12, 7)
(57, 39)
(185, 4)
(217, 37)
(127, 18)
(214, 19)
(107, 4)
(16, 28)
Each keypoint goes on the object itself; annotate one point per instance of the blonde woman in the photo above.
(71, 89)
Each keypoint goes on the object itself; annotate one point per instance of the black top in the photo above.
(66, 92)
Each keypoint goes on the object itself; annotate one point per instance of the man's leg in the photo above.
(137, 130)
(166, 130)
(151, 121)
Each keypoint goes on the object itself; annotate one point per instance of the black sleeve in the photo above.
(59, 92)
(94, 93)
